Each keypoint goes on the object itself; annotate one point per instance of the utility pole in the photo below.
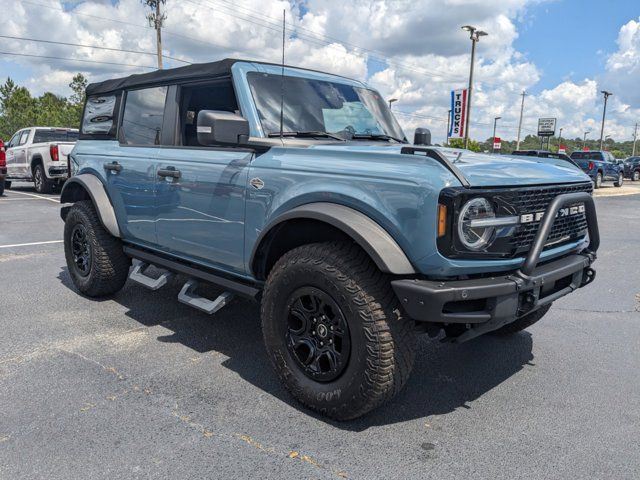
(524, 94)
(156, 19)
(635, 137)
(560, 141)
(474, 35)
(584, 139)
(604, 112)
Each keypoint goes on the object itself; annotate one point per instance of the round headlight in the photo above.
(471, 231)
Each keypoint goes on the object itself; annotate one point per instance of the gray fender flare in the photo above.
(96, 191)
(375, 240)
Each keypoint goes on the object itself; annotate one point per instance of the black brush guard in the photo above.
(486, 304)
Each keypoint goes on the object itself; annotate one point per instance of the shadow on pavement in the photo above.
(445, 376)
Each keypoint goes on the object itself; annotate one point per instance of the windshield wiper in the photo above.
(376, 136)
(310, 133)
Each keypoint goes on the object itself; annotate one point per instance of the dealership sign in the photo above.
(458, 113)
(497, 143)
(546, 127)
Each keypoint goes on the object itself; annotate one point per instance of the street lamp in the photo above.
(495, 121)
(448, 127)
(391, 100)
(584, 139)
(604, 112)
(474, 35)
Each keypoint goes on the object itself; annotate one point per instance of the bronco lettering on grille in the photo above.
(563, 212)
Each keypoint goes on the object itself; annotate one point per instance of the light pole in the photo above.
(448, 127)
(584, 139)
(391, 100)
(474, 35)
(495, 121)
(635, 137)
(604, 112)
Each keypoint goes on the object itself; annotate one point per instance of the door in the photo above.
(201, 190)
(131, 172)
(17, 163)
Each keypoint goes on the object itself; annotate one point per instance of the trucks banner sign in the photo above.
(458, 113)
(546, 127)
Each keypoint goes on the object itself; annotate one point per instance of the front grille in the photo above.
(565, 229)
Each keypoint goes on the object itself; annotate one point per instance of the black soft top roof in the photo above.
(170, 75)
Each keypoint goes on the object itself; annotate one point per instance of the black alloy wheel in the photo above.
(317, 334)
(81, 250)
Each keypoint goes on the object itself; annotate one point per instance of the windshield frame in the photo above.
(386, 123)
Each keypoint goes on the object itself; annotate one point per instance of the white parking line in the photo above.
(51, 199)
(31, 243)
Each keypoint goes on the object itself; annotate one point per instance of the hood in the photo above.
(480, 169)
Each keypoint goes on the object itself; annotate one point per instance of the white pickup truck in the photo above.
(39, 154)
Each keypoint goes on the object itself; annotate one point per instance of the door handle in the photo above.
(169, 172)
(113, 167)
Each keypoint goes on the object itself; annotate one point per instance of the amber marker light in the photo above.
(442, 220)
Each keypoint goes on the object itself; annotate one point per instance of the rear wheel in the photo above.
(95, 259)
(335, 331)
(635, 176)
(597, 183)
(523, 322)
(40, 181)
(1, 188)
(7, 184)
(620, 181)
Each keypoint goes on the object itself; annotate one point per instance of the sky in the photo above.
(561, 52)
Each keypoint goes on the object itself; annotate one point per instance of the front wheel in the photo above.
(620, 181)
(335, 331)
(95, 259)
(635, 176)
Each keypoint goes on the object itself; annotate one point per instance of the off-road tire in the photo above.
(109, 267)
(620, 180)
(597, 183)
(7, 184)
(523, 322)
(382, 339)
(40, 181)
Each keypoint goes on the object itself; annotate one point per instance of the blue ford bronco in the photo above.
(299, 189)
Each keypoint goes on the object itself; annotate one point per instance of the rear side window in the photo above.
(24, 137)
(44, 136)
(98, 116)
(143, 115)
(586, 156)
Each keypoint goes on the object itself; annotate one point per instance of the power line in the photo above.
(75, 60)
(91, 46)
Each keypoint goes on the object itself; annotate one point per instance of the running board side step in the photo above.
(239, 287)
(138, 275)
(188, 296)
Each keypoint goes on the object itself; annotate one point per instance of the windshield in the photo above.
(44, 136)
(320, 106)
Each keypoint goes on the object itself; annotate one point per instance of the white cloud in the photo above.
(412, 50)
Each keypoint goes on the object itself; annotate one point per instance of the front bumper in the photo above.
(486, 304)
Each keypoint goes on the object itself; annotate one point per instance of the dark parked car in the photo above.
(632, 168)
(543, 154)
(600, 166)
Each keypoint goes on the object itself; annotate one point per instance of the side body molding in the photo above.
(374, 239)
(74, 189)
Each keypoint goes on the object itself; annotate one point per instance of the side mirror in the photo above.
(422, 136)
(216, 127)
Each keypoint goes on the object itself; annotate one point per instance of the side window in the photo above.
(143, 115)
(218, 95)
(24, 137)
(14, 140)
(98, 115)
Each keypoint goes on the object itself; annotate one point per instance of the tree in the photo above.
(459, 143)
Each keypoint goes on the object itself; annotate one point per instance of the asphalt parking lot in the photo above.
(141, 386)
